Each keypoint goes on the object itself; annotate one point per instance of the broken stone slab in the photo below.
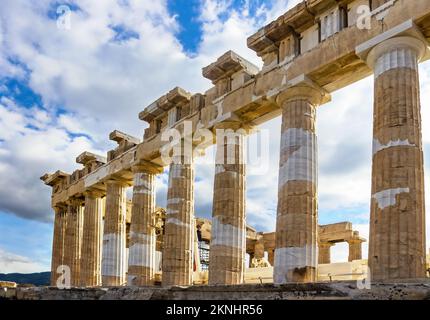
(228, 64)
(86, 158)
(174, 97)
(120, 137)
(53, 179)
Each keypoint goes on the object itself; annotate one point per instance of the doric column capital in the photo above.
(75, 201)
(119, 182)
(355, 241)
(397, 43)
(406, 35)
(144, 166)
(303, 88)
(233, 125)
(60, 208)
(325, 244)
(94, 193)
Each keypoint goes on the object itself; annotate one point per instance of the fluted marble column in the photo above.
(228, 236)
(324, 249)
(354, 249)
(296, 225)
(114, 235)
(58, 242)
(73, 240)
(92, 240)
(397, 221)
(177, 259)
(141, 261)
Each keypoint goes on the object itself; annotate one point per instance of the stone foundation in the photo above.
(304, 291)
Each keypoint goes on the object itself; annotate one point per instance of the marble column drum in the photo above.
(354, 249)
(177, 259)
(397, 221)
(324, 252)
(114, 235)
(73, 241)
(228, 236)
(58, 243)
(296, 224)
(141, 262)
(92, 240)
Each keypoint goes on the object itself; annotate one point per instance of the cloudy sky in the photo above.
(63, 91)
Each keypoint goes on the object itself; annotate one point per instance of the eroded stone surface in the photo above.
(309, 291)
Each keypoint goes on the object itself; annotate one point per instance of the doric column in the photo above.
(92, 240)
(397, 219)
(114, 235)
(58, 243)
(354, 249)
(271, 257)
(324, 252)
(251, 256)
(177, 259)
(296, 224)
(228, 236)
(73, 241)
(259, 248)
(141, 261)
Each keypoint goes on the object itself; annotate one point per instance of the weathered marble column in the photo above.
(296, 225)
(141, 261)
(92, 240)
(354, 249)
(271, 257)
(114, 235)
(177, 259)
(228, 237)
(73, 241)
(397, 221)
(324, 249)
(58, 243)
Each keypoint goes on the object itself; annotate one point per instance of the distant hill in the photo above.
(38, 279)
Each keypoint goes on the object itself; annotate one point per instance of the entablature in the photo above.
(125, 142)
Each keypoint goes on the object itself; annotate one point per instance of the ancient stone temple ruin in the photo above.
(314, 49)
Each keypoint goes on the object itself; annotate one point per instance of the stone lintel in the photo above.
(335, 227)
(302, 87)
(226, 65)
(406, 29)
(119, 137)
(88, 157)
(53, 179)
(338, 232)
(177, 96)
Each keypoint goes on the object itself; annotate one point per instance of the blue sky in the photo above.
(190, 31)
(191, 25)
(63, 91)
